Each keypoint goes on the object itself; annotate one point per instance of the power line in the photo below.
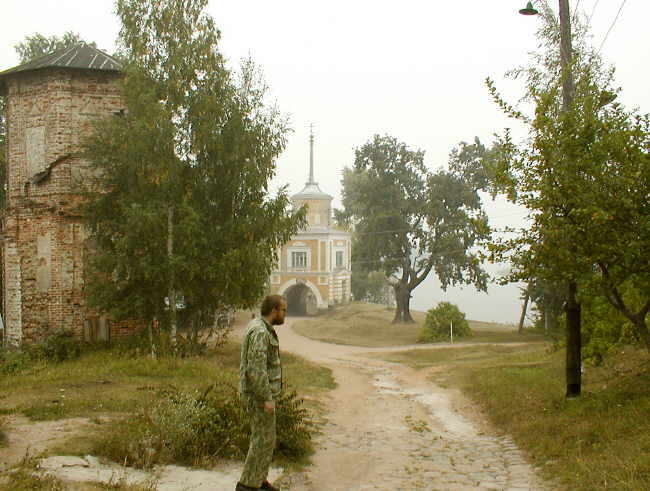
(593, 11)
(577, 8)
(397, 231)
(613, 23)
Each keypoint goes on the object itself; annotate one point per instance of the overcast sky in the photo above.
(411, 69)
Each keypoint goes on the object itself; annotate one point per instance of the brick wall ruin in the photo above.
(48, 112)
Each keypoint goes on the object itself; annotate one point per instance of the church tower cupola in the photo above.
(319, 204)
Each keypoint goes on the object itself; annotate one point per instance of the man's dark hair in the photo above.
(271, 302)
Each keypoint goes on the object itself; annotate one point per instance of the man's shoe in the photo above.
(241, 487)
(268, 486)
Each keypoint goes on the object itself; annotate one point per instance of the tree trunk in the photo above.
(547, 320)
(172, 292)
(406, 308)
(398, 305)
(643, 330)
(573, 343)
(402, 305)
(522, 318)
(152, 347)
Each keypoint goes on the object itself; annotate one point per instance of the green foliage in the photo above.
(14, 361)
(584, 175)
(160, 343)
(370, 286)
(56, 348)
(438, 322)
(38, 45)
(473, 163)
(188, 168)
(604, 328)
(193, 428)
(409, 221)
(60, 347)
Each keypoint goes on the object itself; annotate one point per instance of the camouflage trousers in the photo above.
(260, 450)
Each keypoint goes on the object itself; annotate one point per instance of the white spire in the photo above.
(311, 154)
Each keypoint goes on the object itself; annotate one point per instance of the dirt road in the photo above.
(390, 428)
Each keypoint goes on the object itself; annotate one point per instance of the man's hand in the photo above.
(269, 407)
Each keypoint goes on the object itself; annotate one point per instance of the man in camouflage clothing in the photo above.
(260, 382)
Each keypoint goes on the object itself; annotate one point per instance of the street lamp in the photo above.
(529, 10)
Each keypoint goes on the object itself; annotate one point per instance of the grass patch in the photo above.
(370, 325)
(454, 355)
(598, 441)
(101, 382)
(26, 476)
(360, 324)
(139, 403)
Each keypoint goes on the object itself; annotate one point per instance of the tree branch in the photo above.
(613, 295)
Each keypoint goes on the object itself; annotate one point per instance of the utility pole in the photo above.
(573, 313)
(572, 307)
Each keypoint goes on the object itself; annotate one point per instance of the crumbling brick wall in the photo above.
(48, 113)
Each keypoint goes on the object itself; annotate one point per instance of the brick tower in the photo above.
(50, 104)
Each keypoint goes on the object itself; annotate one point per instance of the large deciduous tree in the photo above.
(180, 213)
(409, 221)
(584, 175)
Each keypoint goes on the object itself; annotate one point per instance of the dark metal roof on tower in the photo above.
(80, 56)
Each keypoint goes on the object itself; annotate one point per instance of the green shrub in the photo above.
(56, 348)
(139, 343)
(14, 361)
(438, 321)
(60, 347)
(192, 428)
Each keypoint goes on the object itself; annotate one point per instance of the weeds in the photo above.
(57, 348)
(193, 428)
(418, 426)
(26, 477)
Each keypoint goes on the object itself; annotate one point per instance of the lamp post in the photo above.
(573, 311)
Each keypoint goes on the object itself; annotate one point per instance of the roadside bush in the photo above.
(140, 344)
(60, 347)
(56, 348)
(193, 428)
(437, 323)
(14, 361)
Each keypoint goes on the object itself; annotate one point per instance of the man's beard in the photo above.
(277, 322)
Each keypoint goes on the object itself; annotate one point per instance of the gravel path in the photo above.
(390, 428)
(387, 428)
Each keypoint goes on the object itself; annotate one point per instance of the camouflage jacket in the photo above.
(260, 371)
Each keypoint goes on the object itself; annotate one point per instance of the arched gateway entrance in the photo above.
(302, 297)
